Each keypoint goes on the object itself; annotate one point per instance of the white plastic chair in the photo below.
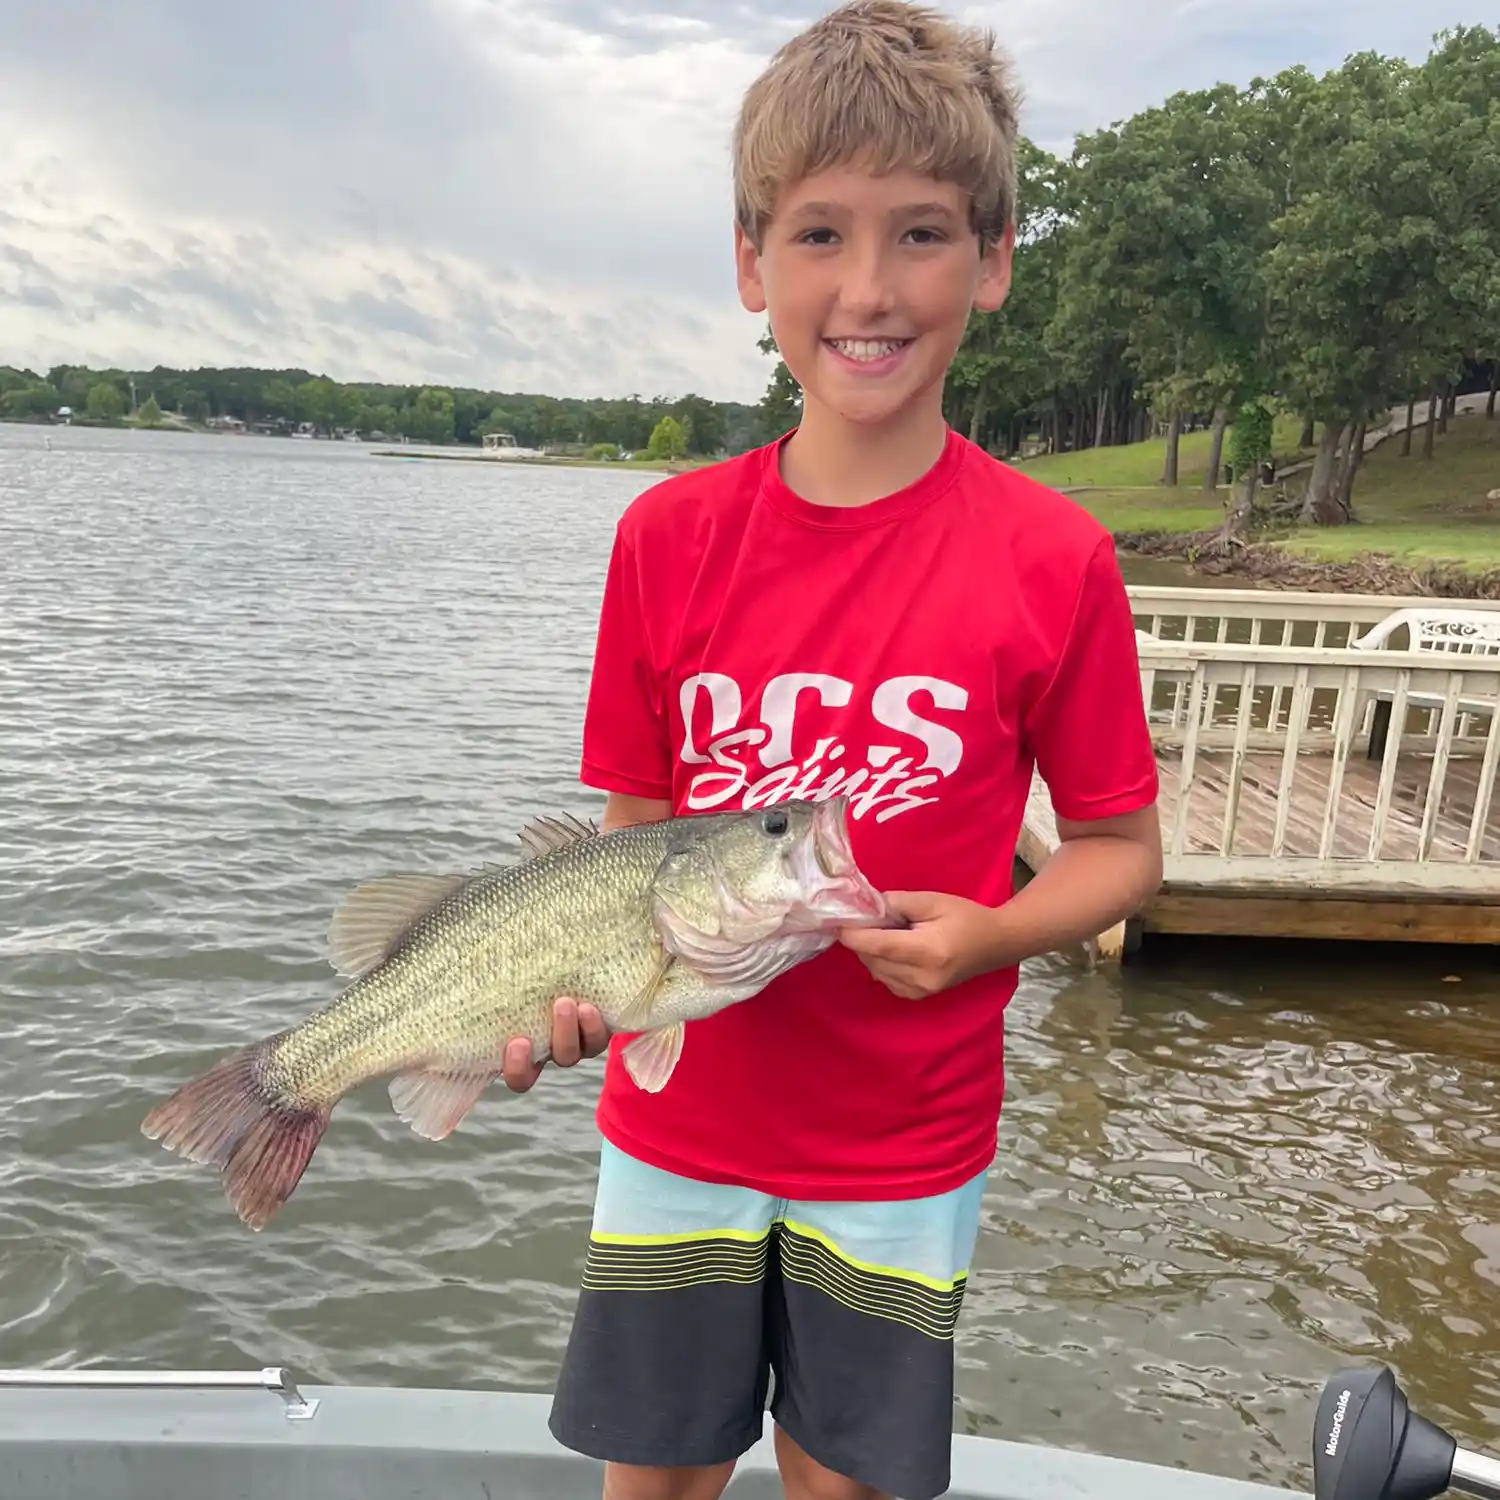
(1449, 630)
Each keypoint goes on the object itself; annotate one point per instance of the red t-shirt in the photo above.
(919, 652)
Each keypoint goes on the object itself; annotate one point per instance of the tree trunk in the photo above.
(1443, 411)
(1242, 503)
(1216, 448)
(1411, 417)
(1329, 510)
(1322, 475)
(976, 422)
(1353, 462)
(1489, 410)
(1174, 436)
(1101, 423)
(1432, 405)
(1309, 435)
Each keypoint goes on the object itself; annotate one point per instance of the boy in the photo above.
(868, 605)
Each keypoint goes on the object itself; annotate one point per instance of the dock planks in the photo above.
(1208, 890)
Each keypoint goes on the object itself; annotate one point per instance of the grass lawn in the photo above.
(1419, 511)
(1410, 509)
(1141, 464)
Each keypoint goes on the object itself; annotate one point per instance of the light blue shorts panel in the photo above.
(930, 1238)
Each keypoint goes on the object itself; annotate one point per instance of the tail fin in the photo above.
(261, 1144)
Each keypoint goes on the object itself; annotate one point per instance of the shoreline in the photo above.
(548, 461)
(1265, 563)
(1203, 552)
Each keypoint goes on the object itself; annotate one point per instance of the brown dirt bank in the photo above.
(1208, 553)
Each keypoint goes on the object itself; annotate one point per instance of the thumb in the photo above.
(914, 906)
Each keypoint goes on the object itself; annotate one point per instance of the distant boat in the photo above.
(504, 445)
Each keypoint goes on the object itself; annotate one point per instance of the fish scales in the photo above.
(486, 965)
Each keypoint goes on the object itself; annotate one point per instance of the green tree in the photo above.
(780, 408)
(314, 401)
(431, 419)
(104, 402)
(667, 440)
(38, 399)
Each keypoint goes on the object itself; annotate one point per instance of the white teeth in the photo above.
(866, 348)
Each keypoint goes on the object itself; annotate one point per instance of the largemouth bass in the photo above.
(656, 925)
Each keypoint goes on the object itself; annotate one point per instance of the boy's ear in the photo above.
(994, 272)
(747, 272)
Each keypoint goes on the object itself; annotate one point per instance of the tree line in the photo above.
(1325, 248)
(282, 400)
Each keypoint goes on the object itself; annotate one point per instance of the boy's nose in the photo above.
(865, 287)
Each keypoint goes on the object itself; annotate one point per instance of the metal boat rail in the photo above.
(276, 1379)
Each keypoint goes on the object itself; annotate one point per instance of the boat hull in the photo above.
(391, 1443)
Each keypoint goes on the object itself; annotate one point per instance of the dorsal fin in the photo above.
(543, 835)
(374, 917)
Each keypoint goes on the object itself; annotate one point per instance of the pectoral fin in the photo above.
(651, 1058)
(434, 1102)
(635, 1014)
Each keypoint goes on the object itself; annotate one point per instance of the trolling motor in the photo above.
(1369, 1445)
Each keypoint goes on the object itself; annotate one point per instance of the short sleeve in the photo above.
(626, 743)
(1088, 730)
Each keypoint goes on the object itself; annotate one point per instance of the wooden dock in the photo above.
(1310, 786)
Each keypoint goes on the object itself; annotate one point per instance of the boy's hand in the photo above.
(950, 939)
(578, 1031)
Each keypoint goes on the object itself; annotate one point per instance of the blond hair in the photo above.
(886, 84)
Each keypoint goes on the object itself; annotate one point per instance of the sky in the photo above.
(509, 194)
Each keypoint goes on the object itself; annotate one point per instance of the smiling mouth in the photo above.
(867, 350)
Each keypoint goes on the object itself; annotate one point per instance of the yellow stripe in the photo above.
(807, 1232)
(747, 1236)
(659, 1263)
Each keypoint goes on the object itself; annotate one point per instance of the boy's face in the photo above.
(868, 282)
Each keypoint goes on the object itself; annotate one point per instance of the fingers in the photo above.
(876, 942)
(519, 1072)
(593, 1031)
(567, 1046)
(578, 1031)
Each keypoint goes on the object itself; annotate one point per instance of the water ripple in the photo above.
(237, 676)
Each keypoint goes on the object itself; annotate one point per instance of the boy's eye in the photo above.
(927, 236)
(816, 236)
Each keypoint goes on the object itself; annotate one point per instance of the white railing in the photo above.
(1270, 780)
(1269, 617)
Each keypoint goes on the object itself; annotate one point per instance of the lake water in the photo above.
(239, 675)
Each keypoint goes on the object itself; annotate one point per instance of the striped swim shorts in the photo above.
(695, 1295)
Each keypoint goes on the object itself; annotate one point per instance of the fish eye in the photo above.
(776, 822)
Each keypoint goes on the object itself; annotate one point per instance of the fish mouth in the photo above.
(834, 888)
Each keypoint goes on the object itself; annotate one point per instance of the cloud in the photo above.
(506, 193)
